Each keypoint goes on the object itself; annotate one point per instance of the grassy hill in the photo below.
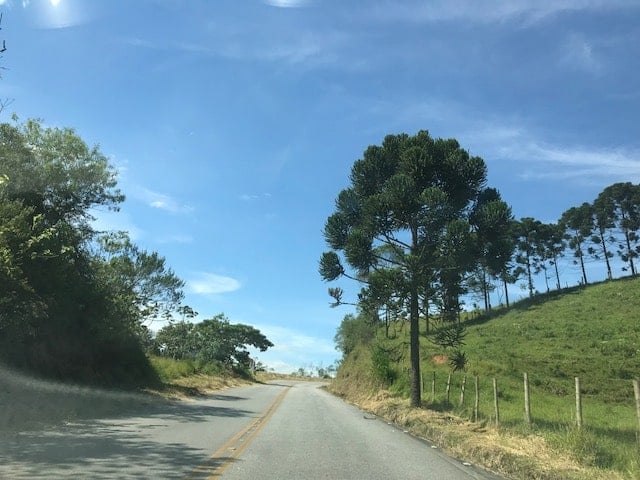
(591, 332)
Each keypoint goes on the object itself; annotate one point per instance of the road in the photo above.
(286, 430)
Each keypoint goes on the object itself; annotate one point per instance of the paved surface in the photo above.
(314, 435)
(287, 430)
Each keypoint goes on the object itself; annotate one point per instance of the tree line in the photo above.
(75, 302)
(592, 232)
(419, 230)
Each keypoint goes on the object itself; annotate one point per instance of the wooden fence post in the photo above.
(462, 387)
(578, 404)
(433, 387)
(495, 401)
(448, 388)
(476, 403)
(527, 400)
(636, 393)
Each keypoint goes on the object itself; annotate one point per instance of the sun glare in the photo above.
(55, 3)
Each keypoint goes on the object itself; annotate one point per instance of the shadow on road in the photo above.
(109, 453)
(50, 430)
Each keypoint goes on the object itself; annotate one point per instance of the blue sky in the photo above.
(234, 124)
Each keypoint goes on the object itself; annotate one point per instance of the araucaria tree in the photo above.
(407, 212)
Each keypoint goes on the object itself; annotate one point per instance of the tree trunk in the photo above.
(529, 278)
(555, 266)
(606, 253)
(546, 278)
(584, 272)
(414, 333)
(581, 256)
(485, 293)
(506, 291)
(426, 314)
(386, 323)
(630, 253)
(415, 347)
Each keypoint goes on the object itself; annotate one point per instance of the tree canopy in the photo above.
(405, 222)
(75, 303)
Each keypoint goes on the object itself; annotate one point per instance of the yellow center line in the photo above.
(230, 451)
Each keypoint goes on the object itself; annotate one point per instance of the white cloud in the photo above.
(160, 200)
(578, 53)
(247, 197)
(508, 139)
(299, 345)
(288, 3)
(210, 283)
(293, 349)
(547, 160)
(490, 11)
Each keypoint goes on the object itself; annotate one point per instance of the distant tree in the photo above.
(141, 280)
(604, 220)
(527, 235)
(354, 330)
(176, 341)
(491, 221)
(411, 196)
(623, 204)
(210, 341)
(551, 247)
(577, 223)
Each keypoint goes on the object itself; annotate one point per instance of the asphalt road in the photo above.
(290, 430)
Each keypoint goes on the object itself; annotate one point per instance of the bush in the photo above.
(381, 364)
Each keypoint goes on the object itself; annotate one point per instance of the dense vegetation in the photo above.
(74, 301)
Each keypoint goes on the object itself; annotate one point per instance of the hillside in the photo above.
(591, 332)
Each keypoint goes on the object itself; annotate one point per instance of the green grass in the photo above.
(592, 333)
(169, 369)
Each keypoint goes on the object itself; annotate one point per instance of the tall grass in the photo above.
(169, 369)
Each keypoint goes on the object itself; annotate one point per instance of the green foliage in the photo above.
(212, 341)
(381, 365)
(170, 369)
(405, 227)
(354, 330)
(71, 307)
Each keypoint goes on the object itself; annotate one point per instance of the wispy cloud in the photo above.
(248, 197)
(490, 11)
(205, 283)
(160, 201)
(288, 3)
(542, 159)
(496, 137)
(577, 53)
(293, 349)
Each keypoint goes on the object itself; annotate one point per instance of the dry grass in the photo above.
(197, 385)
(513, 455)
(270, 376)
